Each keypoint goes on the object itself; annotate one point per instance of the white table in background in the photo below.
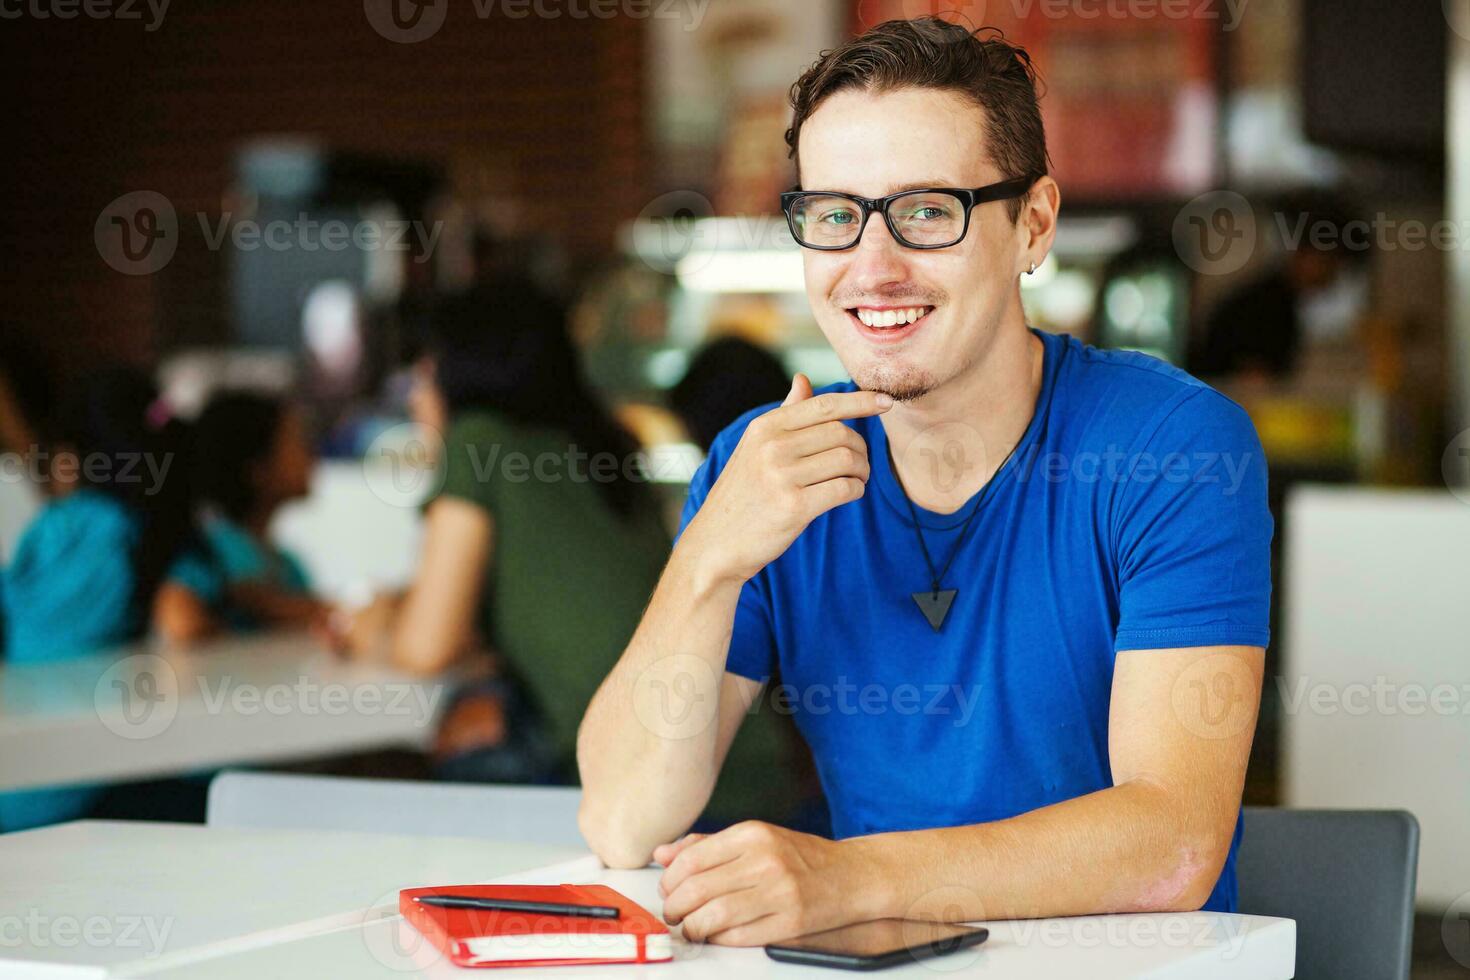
(143, 712)
(249, 904)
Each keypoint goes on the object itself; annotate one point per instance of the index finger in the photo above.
(704, 854)
(833, 405)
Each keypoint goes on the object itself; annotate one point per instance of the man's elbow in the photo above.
(1186, 884)
(611, 835)
(423, 656)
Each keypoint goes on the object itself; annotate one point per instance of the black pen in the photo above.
(510, 905)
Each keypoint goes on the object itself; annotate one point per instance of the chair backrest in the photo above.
(1345, 876)
(522, 814)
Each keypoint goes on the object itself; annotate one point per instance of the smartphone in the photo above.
(875, 945)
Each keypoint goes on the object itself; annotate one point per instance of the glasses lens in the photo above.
(825, 221)
(928, 218)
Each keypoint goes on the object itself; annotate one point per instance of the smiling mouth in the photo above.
(888, 323)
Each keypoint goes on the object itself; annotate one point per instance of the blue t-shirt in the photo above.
(1132, 516)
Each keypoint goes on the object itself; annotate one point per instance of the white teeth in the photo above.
(889, 318)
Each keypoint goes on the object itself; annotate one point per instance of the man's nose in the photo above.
(877, 259)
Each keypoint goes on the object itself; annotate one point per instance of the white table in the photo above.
(144, 711)
(249, 904)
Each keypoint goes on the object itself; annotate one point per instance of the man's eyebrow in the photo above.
(911, 185)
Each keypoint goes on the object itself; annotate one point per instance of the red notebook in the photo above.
(476, 937)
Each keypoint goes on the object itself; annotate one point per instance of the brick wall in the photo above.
(547, 113)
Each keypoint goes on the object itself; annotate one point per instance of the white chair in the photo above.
(521, 814)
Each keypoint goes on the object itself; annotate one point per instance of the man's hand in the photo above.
(792, 464)
(754, 884)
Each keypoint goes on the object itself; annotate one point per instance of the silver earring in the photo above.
(1031, 271)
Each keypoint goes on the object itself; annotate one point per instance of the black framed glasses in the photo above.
(931, 217)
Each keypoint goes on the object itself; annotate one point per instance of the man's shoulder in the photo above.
(1129, 391)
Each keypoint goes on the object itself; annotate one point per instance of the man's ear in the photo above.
(1038, 220)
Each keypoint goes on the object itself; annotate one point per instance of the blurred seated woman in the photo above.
(251, 456)
(544, 538)
(87, 570)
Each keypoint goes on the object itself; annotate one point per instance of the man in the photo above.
(1016, 588)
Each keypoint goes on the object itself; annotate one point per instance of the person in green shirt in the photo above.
(543, 545)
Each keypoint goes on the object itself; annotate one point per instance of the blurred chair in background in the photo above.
(520, 814)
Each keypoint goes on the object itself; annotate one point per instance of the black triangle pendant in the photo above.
(935, 605)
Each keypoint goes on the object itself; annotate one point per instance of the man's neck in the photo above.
(948, 444)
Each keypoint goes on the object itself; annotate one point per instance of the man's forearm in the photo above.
(1129, 848)
(647, 747)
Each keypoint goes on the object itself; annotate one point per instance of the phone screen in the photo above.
(871, 940)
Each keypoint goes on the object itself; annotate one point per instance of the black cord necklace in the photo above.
(935, 603)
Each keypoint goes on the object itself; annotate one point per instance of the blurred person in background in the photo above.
(543, 545)
(251, 456)
(726, 378)
(1257, 329)
(24, 403)
(23, 383)
(87, 570)
(552, 567)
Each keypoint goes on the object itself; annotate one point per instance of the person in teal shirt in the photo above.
(251, 456)
(86, 571)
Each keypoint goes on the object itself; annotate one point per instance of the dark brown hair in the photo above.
(933, 53)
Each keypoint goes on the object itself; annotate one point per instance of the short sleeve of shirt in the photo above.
(194, 571)
(475, 442)
(753, 638)
(1192, 532)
